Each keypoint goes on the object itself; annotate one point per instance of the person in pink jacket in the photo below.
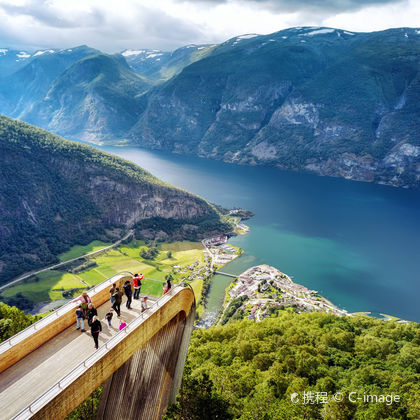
(84, 300)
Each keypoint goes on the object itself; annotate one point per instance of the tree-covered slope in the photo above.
(317, 99)
(95, 98)
(13, 320)
(56, 193)
(247, 370)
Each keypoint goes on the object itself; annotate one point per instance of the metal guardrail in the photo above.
(82, 367)
(43, 322)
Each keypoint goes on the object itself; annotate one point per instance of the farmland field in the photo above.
(50, 285)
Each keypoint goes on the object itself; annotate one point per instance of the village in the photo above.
(217, 252)
(262, 289)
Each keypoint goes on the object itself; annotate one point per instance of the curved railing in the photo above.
(43, 322)
(75, 373)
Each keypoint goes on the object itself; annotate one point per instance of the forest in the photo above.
(246, 370)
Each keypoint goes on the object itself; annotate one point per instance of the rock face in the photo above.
(55, 193)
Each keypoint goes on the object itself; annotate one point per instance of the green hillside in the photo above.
(56, 193)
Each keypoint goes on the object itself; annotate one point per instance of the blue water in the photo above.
(357, 243)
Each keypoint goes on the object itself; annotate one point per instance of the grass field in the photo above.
(78, 250)
(51, 284)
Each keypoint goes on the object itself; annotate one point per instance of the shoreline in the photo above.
(262, 290)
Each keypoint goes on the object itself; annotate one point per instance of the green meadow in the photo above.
(50, 285)
(78, 250)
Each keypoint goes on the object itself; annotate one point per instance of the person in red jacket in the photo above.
(137, 285)
(167, 286)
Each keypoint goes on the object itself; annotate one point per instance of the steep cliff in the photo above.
(55, 193)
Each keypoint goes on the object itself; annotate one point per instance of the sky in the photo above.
(114, 25)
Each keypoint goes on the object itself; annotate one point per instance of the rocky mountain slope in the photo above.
(56, 193)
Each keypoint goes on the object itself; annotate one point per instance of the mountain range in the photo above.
(57, 193)
(324, 100)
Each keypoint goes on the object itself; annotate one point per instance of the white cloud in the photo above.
(112, 25)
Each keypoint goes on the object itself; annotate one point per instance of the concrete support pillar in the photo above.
(144, 386)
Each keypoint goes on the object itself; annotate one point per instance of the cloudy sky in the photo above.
(113, 25)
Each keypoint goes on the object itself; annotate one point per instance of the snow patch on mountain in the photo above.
(244, 36)
(41, 52)
(247, 36)
(128, 53)
(23, 54)
(154, 55)
(3, 51)
(319, 32)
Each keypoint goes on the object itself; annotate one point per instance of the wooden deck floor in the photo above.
(30, 377)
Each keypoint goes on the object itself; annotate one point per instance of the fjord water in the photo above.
(357, 243)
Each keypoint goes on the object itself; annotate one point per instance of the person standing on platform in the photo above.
(168, 285)
(108, 316)
(137, 285)
(91, 312)
(80, 316)
(95, 329)
(112, 290)
(118, 300)
(84, 300)
(129, 293)
(144, 304)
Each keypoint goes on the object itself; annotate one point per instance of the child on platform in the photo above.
(109, 315)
